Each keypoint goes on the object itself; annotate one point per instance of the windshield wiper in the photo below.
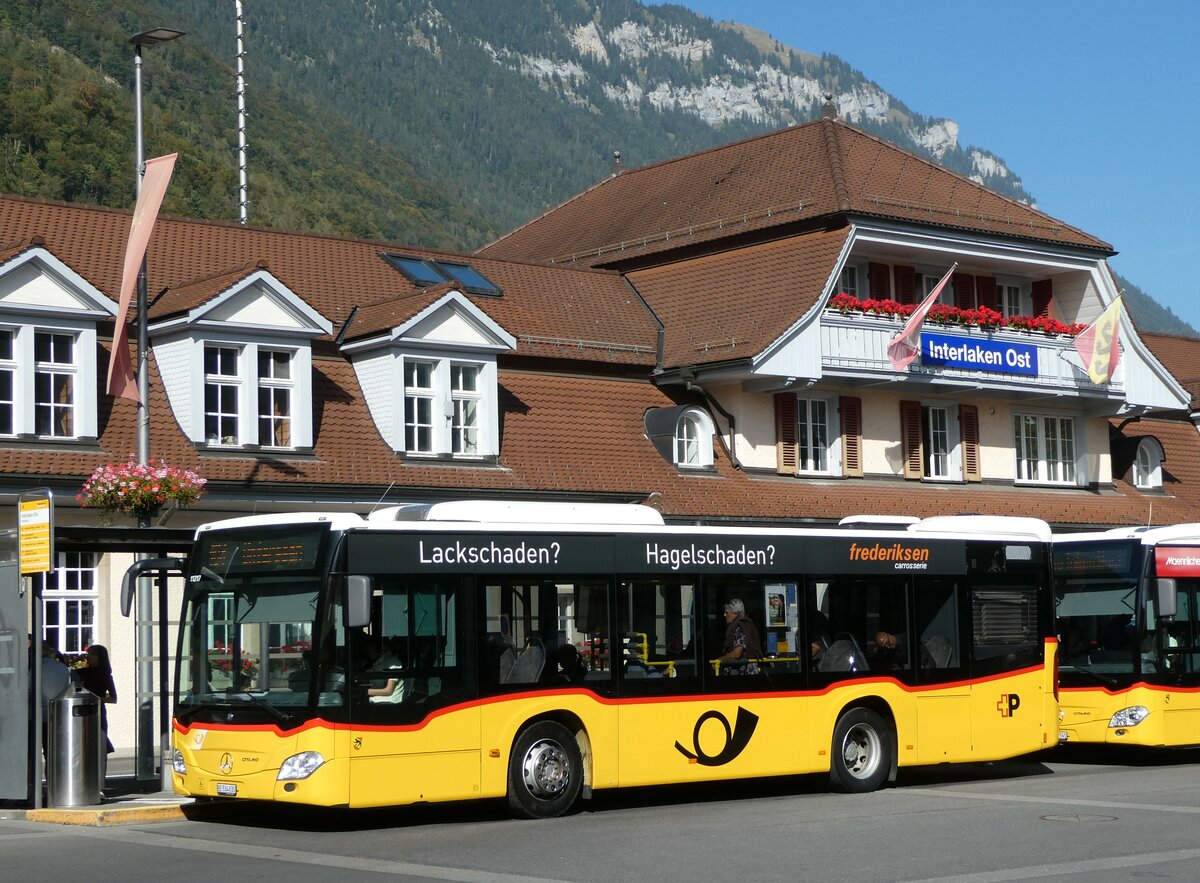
(261, 703)
(1108, 682)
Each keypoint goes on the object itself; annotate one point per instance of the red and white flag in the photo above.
(906, 345)
(121, 379)
(1097, 344)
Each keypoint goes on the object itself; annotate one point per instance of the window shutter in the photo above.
(1043, 291)
(910, 439)
(851, 410)
(881, 288)
(787, 451)
(985, 291)
(968, 418)
(906, 284)
(964, 291)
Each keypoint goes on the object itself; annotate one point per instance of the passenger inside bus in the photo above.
(570, 667)
(742, 647)
(383, 659)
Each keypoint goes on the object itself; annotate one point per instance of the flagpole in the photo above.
(144, 622)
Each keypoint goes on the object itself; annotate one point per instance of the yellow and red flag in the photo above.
(121, 379)
(1097, 344)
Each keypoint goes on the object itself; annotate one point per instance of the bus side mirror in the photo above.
(129, 580)
(358, 601)
(1166, 598)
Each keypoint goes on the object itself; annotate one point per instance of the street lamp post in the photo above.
(145, 592)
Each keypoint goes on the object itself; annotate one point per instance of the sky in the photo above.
(1094, 105)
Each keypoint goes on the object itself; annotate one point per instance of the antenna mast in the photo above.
(243, 190)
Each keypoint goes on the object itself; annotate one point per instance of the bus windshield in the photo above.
(251, 609)
(1098, 606)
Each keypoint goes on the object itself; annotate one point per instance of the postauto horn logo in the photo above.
(735, 739)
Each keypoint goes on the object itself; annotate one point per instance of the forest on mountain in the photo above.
(440, 123)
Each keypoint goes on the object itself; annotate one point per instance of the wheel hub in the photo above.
(546, 770)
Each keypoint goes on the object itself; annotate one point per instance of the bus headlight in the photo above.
(177, 763)
(1129, 717)
(300, 766)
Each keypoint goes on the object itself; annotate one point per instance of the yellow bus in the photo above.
(1129, 635)
(537, 652)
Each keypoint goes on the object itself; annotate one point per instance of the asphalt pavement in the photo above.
(124, 800)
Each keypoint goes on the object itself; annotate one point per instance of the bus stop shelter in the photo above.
(20, 638)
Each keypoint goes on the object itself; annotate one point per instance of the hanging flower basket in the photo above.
(139, 489)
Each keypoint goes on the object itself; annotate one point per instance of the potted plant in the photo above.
(139, 489)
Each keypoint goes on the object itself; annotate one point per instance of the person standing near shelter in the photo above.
(97, 678)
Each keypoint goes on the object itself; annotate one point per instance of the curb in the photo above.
(101, 817)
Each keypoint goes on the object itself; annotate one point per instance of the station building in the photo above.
(707, 334)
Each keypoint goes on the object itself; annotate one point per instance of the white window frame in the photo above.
(1011, 297)
(808, 451)
(693, 444)
(951, 457)
(1147, 465)
(850, 280)
(9, 366)
(1062, 471)
(55, 370)
(447, 405)
(187, 392)
(220, 382)
(467, 405)
(74, 591)
(25, 368)
(276, 388)
(420, 396)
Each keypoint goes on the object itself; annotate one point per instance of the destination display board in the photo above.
(1178, 561)
(1113, 559)
(373, 552)
(295, 548)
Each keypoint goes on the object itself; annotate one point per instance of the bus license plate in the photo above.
(226, 789)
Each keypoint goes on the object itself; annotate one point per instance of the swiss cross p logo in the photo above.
(1008, 704)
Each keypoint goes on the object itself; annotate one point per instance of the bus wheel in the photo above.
(861, 751)
(545, 771)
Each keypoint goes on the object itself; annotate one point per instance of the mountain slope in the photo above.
(436, 122)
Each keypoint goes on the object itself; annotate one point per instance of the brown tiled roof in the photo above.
(552, 311)
(1179, 355)
(189, 295)
(561, 433)
(732, 305)
(798, 174)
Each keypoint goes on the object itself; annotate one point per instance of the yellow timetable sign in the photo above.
(35, 536)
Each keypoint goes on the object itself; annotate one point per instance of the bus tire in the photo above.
(862, 752)
(545, 771)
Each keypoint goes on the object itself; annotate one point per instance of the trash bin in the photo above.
(74, 746)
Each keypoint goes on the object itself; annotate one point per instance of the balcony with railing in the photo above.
(855, 344)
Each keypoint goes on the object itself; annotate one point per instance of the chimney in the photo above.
(617, 168)
(828, 108)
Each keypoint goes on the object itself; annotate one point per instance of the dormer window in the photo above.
(1147, 466)
(430, 382)
(48, 316)
(230, 388)
(237, 365)
(693, 440)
